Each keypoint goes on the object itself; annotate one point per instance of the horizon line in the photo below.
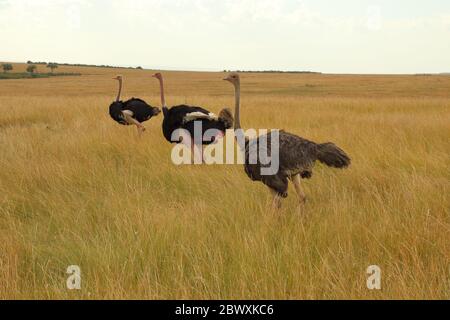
(182, 69)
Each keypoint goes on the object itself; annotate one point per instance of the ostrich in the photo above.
(184, 117)
(297, 156)
(131, 112)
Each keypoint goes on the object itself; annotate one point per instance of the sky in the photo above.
(330, 36)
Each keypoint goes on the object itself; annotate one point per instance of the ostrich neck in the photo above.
(163, 99)
(120, 91)
(237, 111)
(239, 133)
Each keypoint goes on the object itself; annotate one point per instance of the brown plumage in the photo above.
(297, 155)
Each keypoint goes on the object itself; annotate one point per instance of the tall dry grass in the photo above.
(78, 189)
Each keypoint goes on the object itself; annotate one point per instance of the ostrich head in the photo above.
(156, 111)
(233, 78)
(157, 76)
(119, 78)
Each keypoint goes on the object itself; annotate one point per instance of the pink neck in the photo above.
(120, 91)
(163, 99)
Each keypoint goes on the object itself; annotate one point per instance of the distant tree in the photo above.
(29, 62)
(52, 66)
(7, 67)
(31, 68)
(139, 68)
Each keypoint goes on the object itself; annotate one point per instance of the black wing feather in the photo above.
(115, 111)
(175, 116)
(142, 111)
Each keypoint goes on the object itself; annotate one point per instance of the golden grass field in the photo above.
(76, 188)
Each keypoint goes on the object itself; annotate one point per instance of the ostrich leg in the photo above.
(185, 139)
(140, 129)
(296, 180)
(276, 200)
(197, 152)
(128, 117)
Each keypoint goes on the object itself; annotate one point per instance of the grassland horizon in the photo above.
(78, 189)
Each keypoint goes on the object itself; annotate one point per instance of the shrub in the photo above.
(52, 66)
(31, 68)
(7, 67)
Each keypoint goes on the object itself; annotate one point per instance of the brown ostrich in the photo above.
(297, 156)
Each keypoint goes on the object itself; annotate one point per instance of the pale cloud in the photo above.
(182, 13)
(435, 21)
(186, 12)
(36, 15)
(4, 4)
(136, 9)
(255, 10)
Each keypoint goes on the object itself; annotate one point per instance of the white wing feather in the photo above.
(199, 115)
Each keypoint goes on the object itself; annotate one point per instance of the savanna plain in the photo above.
(76, 188)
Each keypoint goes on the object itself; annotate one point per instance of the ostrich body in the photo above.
(131, 112)
(184, 117)
(297, 156)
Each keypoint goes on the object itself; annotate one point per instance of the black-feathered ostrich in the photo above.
(297, 156)
(184, 117)
(131, 112)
